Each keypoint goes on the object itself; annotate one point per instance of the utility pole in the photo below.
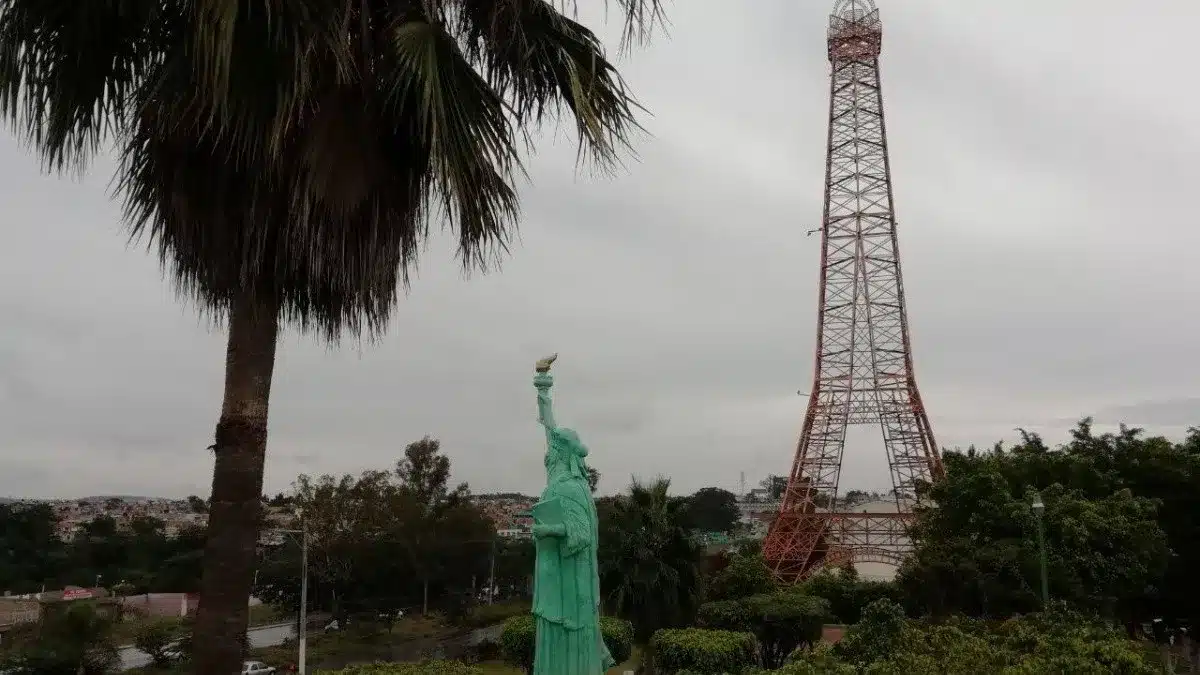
(492, 574)
(303, 590)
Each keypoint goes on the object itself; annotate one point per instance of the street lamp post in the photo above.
(1038, 508)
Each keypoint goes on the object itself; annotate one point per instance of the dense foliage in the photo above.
(75, 639)
(712, 509)
(649, 564)
(142, 556)
(517, 640)
(390, 540)
(1120, 529)
(1057, 641)
(742, 575)
(700, 651)
(847, 595)
(781, 621)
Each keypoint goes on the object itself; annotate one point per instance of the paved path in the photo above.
(262, 636)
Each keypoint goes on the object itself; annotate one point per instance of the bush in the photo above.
(489, 615)
(618, 637)
(425, 668)
(820, 661)
(74, 639)
(155, 639)
(520, 632)
(702, 652)
(487, 650)
(780, 621)
(884, 643)
(848, 596)
(745, 575)
(881, 632)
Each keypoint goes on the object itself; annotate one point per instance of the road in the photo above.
(262, 636)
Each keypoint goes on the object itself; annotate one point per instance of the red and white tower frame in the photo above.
(864, 366)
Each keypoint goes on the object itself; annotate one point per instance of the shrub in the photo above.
(520, 632)
(155, 639)
(818, 661)
(425, 668)
(701, 651)
(618, 637)
(780, 621)
(745, 575)
(848, 596)
(881, 632)
(486, 650)
(489, 615)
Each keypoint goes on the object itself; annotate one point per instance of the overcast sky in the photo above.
(1042, 156)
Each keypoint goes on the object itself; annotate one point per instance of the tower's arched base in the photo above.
(798, 545)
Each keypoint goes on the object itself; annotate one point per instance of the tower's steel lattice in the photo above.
(864, 370)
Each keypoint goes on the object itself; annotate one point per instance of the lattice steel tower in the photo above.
(864, 371)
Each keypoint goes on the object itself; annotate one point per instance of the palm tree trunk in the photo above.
(240, 451)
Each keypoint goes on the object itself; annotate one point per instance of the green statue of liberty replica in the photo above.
(566, 581)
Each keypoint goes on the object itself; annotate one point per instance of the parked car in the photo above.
(256, 668)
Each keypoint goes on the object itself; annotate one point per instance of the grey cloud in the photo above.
(1045, 258)
(1175, 413)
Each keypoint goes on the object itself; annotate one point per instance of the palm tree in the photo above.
(286, 158)
(649, 563)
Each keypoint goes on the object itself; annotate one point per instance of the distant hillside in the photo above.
(498, 496)
(95, 498)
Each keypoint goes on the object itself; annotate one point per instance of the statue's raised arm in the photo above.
(543, 381)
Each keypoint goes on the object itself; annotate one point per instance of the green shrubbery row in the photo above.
(886, 643)
(517, 640)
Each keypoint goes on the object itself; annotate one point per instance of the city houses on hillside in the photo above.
(509, 514)
(176, 514)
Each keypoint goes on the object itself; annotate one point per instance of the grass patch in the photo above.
(490, 615)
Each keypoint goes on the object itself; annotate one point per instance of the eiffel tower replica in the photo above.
(864, 366)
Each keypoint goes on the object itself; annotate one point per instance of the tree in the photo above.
(712, 509)
(341, 516)
(745, 575)
(593, 478)
(781, 621)
(31, 554)
(75, 639)
(196, 504)
(154, 640)
(774, 485)
(386, 540)
(434, 510)
(1104, 548)
(649, 564)
(305, 202)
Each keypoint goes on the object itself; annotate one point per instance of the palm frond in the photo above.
(540, 60)
(463, 121)
(67, 69)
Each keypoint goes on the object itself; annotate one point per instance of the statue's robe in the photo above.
(566, 587)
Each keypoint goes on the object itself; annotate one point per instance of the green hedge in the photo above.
(701, 651)
(517, 640)
(426, 668)
(780, 621)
